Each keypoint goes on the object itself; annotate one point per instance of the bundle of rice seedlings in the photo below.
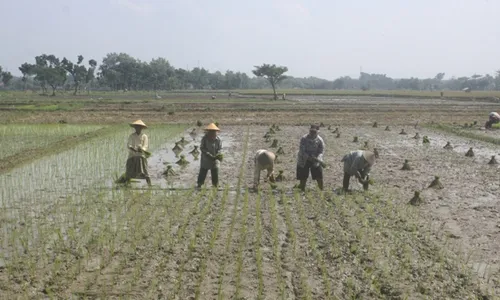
(336, 130)
(182, 161)
(169, 171)
(267, 135)
(195, 151)
(338, 135)
(280, 176)
(219, 157)
(426, 140)
(274, 144)
(417, 136)
(375, 125)
(416, 200)
(387, 128)
(403, 131)
(493, 161)
(329, 127)
(271, 131)
(280, 151)
(406, 166)
(470, 153)
(277, 128)
(436, 183)
(475, 122)
(466, 125)
(448, 146)
(375, 151)
(177, 147)
(199, 123)
(365, 146)
(321, 124)
(183, 142)
(355, 140)
(273, 126)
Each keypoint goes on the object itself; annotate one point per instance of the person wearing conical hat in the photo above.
(358, 163)
(263, 160)
(210, 147)
(137, 144)
(494, 118)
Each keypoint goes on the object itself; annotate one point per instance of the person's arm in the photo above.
(144, 143)
(302, 148)
(321, 149)
(219, 147)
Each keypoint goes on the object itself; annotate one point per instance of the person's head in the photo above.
(212, 130)
(369, 158)
(313, 130)
(138, 126)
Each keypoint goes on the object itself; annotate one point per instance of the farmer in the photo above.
(494, 119)
(137, 164)
(358, 163)
(310, 158)
(210, 147)
(264, 160)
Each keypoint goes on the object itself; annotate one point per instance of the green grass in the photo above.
(467, 133)
(17, 138)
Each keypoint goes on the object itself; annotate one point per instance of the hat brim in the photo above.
(140, 125)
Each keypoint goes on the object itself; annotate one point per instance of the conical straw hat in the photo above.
(138, 123)
(369, 157)
(212, 126)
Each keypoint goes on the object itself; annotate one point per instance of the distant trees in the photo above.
(5, 76)
(79, 72)
(273, 74)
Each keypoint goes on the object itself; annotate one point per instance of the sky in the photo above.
(321, 38)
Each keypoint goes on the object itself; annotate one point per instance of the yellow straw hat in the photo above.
(369, 157)
(138, 123)
(212, 126)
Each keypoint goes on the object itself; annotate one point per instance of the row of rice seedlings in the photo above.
(257, 243)
(313, 243)
(241, 245)
(201, 220)
(276, 246)
(222, 268)
(203, 264)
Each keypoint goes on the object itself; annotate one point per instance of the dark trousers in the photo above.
(203, 175)
(347, 177)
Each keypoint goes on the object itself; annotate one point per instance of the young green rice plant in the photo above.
(416, 200)
(493, 161)
(448, 146)
(257, 249)
(375, 152)
(355, 139)
(336, 130)
(241, 246)
(425, 140)
(195, 151)
(387, 128)
(375, 125)
(274, 144)
(280, 151)
(338, 135)
(470, 153)
(276, 246)
(403, 132)
(182, 161)
(182, 142)
(406, 166)
(417, 136)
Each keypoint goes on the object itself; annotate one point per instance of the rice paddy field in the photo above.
(67, 231)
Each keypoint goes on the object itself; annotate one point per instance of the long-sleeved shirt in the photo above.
(310, 147)
(354, 162)
(264, 160)
(213, 147)
(137, 141)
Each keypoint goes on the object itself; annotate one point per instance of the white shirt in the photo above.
(137, 141)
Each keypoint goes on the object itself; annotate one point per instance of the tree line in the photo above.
(120, 71)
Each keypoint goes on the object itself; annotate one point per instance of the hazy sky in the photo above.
(323, 38)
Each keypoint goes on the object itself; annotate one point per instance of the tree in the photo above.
(6, 76)
(77, 71)
(48, 71)
(272, 73)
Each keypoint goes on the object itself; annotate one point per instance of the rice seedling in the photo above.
(329, 127)
(195, 151)
(274, 144)
(387, 128)
(436, 183)
(182, 142)
(366, 146)
(182, 161)
(280, 151)
(271, 131)
(417, 136)
(277, 128)
(375, 152)
(268, 139)
(493, 161)
(336, 130)
(321, 124)
(470, 153)
(448, 146)
(403, 132)
(406, 166)
(355, 140)
(177, 148)
(375, 125)
(280, 177)
(425, 140)
(338, 135)
(416, 200)
(169, 171)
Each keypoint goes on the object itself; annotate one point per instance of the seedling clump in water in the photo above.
(426, 140)
(182, 161)
(387, 128)
(375, 125)
(416, 200)
(375, 152)
(448, 146)
(183, 142)
(417, 136)
(280, 151)
(268, 139)
(436, 183)
(274, 144)
(169, 171)
(195, 151)
(406, 166)
(199, 123)
(493, 161)
(366, 145)
(271, 131)
(321, 124)
(338, 135)
(336, 130)
(355, 140)
(177, 147)
(470, 153)
(280, 176)
(403, 131)
(329, 127)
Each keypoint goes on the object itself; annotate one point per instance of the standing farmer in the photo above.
(310, 158)
(358, 163)
(137, 164)
(210, 147)
(264, 160)
(494, 118)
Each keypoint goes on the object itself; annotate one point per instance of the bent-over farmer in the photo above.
(210, 147)
(358, 163)
(137, 164)
(494, 118)
(310, 158)
(264, 160)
